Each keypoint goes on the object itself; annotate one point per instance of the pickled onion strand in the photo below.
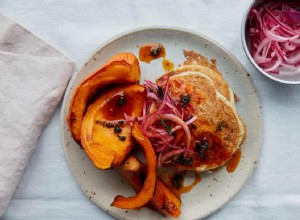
(181, 123)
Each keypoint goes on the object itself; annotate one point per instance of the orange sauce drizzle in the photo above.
(149, 52)
(167, 65)
(168, 179)
(186, 189)
(233, 163)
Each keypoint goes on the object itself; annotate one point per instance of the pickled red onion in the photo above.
(274, 31)
(164, 120)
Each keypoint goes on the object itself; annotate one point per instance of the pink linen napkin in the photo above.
(33, 77)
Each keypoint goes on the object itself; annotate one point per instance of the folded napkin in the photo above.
(33, 77)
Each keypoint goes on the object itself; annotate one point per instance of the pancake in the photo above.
(195, 62)
(218, 131)
(219, 82)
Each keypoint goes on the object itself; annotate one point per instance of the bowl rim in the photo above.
(246, 49)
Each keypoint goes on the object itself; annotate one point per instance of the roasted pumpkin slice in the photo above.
(104, 135)
(146, 192)
(163, 199)
(121, 68)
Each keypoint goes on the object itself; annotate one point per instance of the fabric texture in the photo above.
(33, 77)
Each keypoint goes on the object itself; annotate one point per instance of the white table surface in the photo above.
(48, 189)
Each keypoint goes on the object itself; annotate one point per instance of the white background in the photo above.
(48, 189)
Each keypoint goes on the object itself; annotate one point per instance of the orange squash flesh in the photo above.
(147, 191)
(121, 68)
(104, 146)
(163, 199)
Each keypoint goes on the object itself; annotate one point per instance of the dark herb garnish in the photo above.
(185, 100)
(220, 126)
(160, 92)
(167, 127)
(109, 124)
(176, 180)
(201, 148)
(105, 124)
(121, 100)
(122, 138)
(117, 129)
(98, 122)
(150, 89)
(184, 160)
(155, 51)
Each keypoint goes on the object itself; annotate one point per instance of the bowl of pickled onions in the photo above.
(271, 39)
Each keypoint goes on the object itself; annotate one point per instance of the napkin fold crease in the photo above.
(33, 77)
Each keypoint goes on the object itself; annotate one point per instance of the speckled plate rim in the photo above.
(186, 30)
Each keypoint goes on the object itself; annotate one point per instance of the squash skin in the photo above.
(145, 194)
(100, 141)
(121, 68)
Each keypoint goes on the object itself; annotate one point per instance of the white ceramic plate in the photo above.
(215, 189)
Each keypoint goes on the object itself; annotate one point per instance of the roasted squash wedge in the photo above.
(104, 135)
(144, 195)
(121, 68)
(163, 199)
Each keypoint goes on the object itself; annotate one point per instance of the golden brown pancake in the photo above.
(219, 82)
(219, 131)
(196, 62)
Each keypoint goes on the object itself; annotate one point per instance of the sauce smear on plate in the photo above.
(175, 181)
(167, 65)
(234, 161)
(149, 52)
(186, 189)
